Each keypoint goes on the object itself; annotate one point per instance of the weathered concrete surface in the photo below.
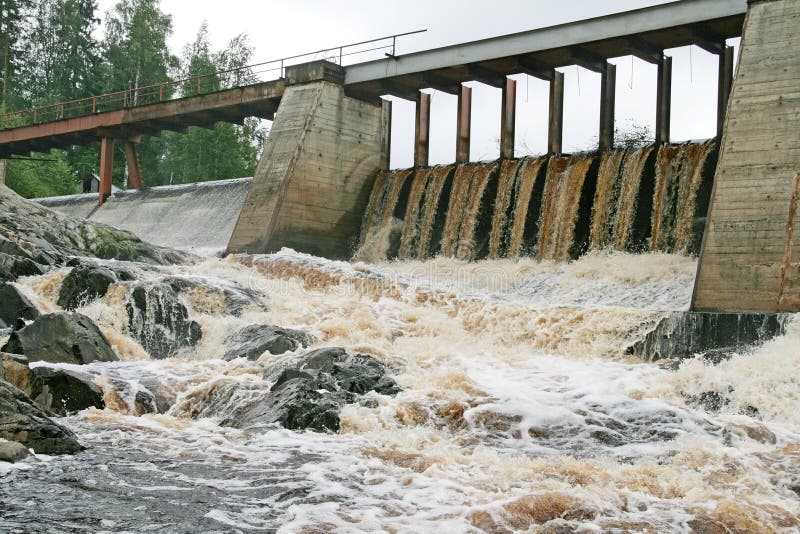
(686, 334)
(750, 259)
(194, 217)
(315, 175)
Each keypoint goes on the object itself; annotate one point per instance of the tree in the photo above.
(12, 27)
(227, 150)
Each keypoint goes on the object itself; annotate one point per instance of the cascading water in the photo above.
(518, 411)
(627, 199)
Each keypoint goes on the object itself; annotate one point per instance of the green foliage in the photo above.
(32, 179)
(633, 135)
(14, 15)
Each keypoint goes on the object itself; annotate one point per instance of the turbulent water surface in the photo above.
(519, 410)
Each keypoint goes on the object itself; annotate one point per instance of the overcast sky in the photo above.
(279, 28)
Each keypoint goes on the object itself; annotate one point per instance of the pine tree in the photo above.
(12, 27)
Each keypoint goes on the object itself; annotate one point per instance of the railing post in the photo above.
(161, 93)
(34, 115)
(125, 99)
(94, 104)
(198, 85)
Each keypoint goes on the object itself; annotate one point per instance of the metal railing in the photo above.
(196, 85)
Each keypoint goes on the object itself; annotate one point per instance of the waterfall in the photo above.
(553, 208)
(560, 205)
(523, 191)
(679, 173)
(627, 203)
(605, 198)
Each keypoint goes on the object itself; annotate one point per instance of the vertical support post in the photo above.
(423, 130)
(508, 119)
(556, 130)
(386, 134)
(463, 124)
(608, 90)
(664, 100)
(106, 167)
(134, 165)
(724, 86)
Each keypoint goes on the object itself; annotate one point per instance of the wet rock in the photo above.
(159, 321)
(61, 338)
(22, 421)
(252, 341)
(15, 306)
(84, 284)
(310, 392)
(11, 451)
(14, 370)
(13, 267)
(233, 298)
(64, 392)
(755, 431)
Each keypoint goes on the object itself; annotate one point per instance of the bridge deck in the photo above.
(231, 105)
(644, 33)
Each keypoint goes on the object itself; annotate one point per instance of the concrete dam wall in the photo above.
(194, 217)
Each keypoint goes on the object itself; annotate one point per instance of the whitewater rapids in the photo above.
(519, 410)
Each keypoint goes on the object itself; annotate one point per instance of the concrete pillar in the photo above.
(386, 134)
(663, 100)
(508, 119)
(556, 128)
(463, 124)
(724, 86)
(608, 90)
(422, 134)
(106, 168)
(134, 165)
(316, 172)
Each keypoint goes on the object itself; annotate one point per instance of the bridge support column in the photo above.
(386, 134)
(134, 165)
(463, 124)
(608, 89)
(508, 119)
(664, 100)
(724, 86)
(556, 128)
(106, 168)
(422, 135)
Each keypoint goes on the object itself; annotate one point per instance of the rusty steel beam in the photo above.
(641, 48)
(608, 89)
(708, 42)
(441, 83)
(479, 73)
(134, 166)
(386, 134)
(463, 124)
(106, 168)
(724, 87)
(555, 133)
(664, 101)
(508, 119)
(531, 67)
(588, 60)
(422, 132)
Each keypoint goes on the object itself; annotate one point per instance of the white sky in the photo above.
(279, 28)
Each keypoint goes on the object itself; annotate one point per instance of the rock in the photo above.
(84, 284)
(14, 370)
(14, 306)
(13, 267)
(32, 231)
(22, 421)
(11, 451)
(233, 297)
(62, 337)
(159, 321)
(252, 341)
(64, 392)
(311, 392)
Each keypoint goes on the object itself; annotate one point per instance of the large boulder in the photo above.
(62, 391)
(252, 341)
(11, 451)
(222, 296)
(84, 284)
(15, 306)
(310, 392)
(14, 369)
(22, 421)
(159, 321)
(61, 338)
(13, 267)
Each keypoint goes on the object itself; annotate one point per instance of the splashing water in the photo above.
(519, 410)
